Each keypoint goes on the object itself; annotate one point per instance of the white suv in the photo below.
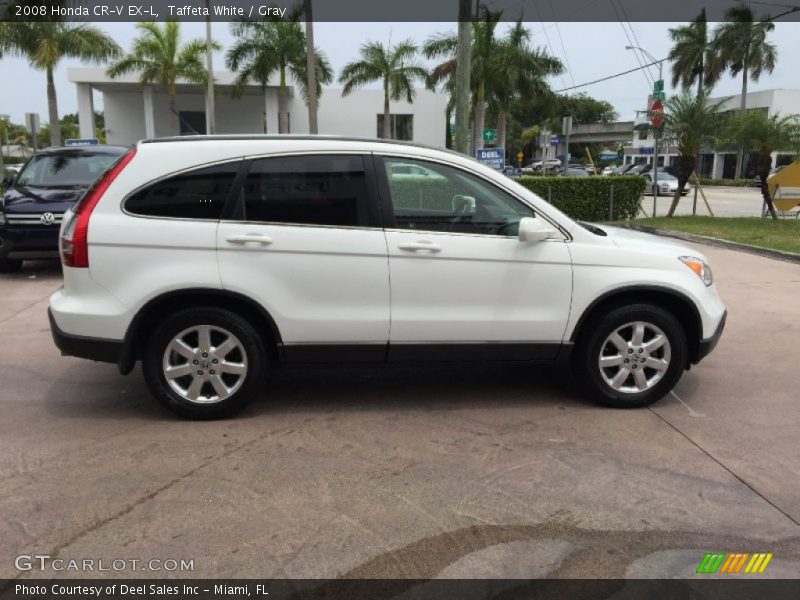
(214, 259)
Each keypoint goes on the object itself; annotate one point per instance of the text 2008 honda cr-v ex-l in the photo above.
(214, 259)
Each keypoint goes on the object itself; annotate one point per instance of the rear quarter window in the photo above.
(196, 194)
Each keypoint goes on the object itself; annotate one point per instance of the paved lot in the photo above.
(457, 471)
(724, 201)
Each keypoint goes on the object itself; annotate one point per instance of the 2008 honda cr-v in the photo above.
(214, 259)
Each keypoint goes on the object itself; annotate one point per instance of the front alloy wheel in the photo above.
(635, 357)
(631, 356)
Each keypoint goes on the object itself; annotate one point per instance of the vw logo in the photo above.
(47, 218)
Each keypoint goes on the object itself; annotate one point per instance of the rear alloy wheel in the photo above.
(205, 363)
(633, 356)
(10, 265)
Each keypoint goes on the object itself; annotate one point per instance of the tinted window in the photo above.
(309, 190)
(198, 194)
(53, 170)
(444, 198)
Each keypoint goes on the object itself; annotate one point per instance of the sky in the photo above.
(589, 50)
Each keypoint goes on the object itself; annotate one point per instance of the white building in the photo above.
(133, 112)
(714, 163)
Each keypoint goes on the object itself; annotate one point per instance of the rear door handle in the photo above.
(414, 246)
(250, 238)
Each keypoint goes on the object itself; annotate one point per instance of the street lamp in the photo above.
(650, 56)
(655, 131)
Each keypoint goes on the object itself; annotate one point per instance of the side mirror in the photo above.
(535, 230)
(7, 181)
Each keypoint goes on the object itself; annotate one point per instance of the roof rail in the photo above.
(285, 136)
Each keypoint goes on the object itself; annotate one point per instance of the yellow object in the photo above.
(787, 177)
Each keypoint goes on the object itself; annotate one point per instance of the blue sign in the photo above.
(492, 157)
(608, 156)
(83, 142)
(554, 140)
(647, 150)
(512, 172)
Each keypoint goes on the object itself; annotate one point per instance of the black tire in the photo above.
(10, 265)
(592, 343)
(252, 348)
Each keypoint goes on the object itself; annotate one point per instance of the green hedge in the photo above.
(582, 198)
(587, 198)
(409, 192)
(729, 182)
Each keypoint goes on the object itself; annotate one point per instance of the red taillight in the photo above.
(75, 237)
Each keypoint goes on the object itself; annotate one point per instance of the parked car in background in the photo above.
(35, 200)
(575, 172)
(667, 184)
(609, 170)
(548, 166)
(214, 260)
(622, 169)
(403, 171)
(772, 171)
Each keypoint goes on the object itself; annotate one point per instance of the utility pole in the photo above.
(311, 68)
(210, 120)
(566, 129)
(3, 142)
(463, 67)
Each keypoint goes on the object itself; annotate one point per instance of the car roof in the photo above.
(89, 150)
(292, 137)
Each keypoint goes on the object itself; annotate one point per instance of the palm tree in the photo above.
(160, 58)
(394, 66)
(520, 71)
(271, 46)
(311, 71)
(44, 44)
(691, 55)
(762, 134)
(690, 122)
(741, 47)
(483, 58)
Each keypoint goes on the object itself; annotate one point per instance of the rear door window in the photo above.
(197, 194)
(328, 190)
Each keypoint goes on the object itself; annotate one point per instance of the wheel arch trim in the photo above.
(131, 350)
(679, 296)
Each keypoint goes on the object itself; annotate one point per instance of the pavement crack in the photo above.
(98, 524)
(728, 469)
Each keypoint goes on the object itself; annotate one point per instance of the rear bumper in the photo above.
(97, 349)
(704, 347)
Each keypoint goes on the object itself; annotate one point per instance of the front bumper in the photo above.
(97, 349)
(704, 347)
(23, 242)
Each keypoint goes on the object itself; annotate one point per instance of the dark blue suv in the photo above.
(32, 207)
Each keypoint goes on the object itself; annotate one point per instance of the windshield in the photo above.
(54, 170)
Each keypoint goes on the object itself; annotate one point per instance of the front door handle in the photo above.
(414, 246)
(250, 238)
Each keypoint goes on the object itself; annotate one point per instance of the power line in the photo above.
(561, 40)
(630, 42)
(580, 85)
(633, 31)
(547, 39)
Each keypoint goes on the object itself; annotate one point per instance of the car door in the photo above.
(305, 242)
(462, 284)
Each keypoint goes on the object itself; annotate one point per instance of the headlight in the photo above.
(701, 269)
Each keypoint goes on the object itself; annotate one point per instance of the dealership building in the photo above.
(713, 162)
(133, 112)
